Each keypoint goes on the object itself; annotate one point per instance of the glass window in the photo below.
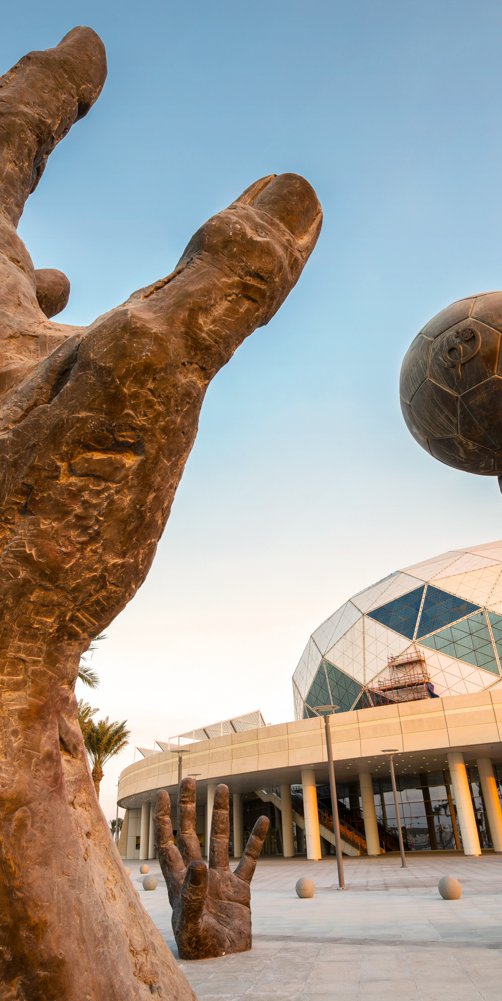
(344, 690)
(424, 808)
(319, 693)
(468, 640)
(400, 614)
(440, 609)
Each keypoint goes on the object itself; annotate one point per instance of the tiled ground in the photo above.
(388, 937)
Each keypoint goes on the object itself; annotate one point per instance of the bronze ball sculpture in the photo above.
(451, 385)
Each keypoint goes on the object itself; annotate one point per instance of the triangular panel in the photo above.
(465, 564)
(307, 667)
(492, 550)
(391, 587)
(319, 693)
(440, 609)
(348, 653)
(478, 585)
(333, 628)
(380, 644)
(431, 568)
(344, 690)
(298, 701)
(468, 640)
(400, 614)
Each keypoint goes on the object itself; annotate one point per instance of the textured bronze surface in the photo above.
(211, 904)
(451, 385)
(95, 429)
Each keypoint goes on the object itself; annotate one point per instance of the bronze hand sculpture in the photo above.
(211, 906)
(95, 428)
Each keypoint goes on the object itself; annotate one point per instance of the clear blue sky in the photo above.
(304, 484)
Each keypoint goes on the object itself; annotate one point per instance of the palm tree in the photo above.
(87, 675)
(103, 740)
(85, 714)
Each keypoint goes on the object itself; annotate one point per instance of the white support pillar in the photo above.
(143, 831)
(211, 789)
(238, 824)
(492, 801)
(311, 814)
(151, 834)
(288, 844)
(463, 803)
(369, 814)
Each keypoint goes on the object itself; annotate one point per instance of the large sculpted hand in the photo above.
(95, 428)
(211, 905)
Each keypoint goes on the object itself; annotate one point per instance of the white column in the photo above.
(311, 814)
(463, 803)
(143, 831)
(288, 844)
(369, 814)
(151, 834)
(238, 825)
(492, 801)
(211, 789)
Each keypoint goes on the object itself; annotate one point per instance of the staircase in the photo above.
(352, 842)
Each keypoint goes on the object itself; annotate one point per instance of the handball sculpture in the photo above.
(211, 904)
(451, 385)
(96, 427)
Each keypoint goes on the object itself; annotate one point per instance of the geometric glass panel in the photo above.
(441, 608)
(344, 690)
(319, 693)
(327, 634)
(348, 652)
(468, 640)
(369, 699)
(400, 614)
(307, 667)
(496, 624)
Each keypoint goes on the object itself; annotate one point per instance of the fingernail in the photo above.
(293, 202)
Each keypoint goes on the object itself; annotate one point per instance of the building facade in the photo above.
(413, 667)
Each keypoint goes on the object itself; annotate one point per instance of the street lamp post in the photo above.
(391, 751)
(326, 712)
(180, 751)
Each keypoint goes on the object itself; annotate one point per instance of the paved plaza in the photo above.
(388, 937)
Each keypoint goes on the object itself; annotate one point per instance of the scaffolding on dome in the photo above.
(407, 679)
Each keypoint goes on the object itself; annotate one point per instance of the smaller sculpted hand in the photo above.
(211, 905)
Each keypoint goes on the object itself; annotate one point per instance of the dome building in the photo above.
(413, 667)
(432, 629)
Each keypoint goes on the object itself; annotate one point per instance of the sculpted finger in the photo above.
(193, 894)
(170, 859)
(40, 99)
(247, 865)
(220, 829)
(53, 290)
(188, 841)
(236, 271)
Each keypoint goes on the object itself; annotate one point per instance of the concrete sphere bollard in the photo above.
(450, 888)
(149, 883)
(305, 887)
(144, 869)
